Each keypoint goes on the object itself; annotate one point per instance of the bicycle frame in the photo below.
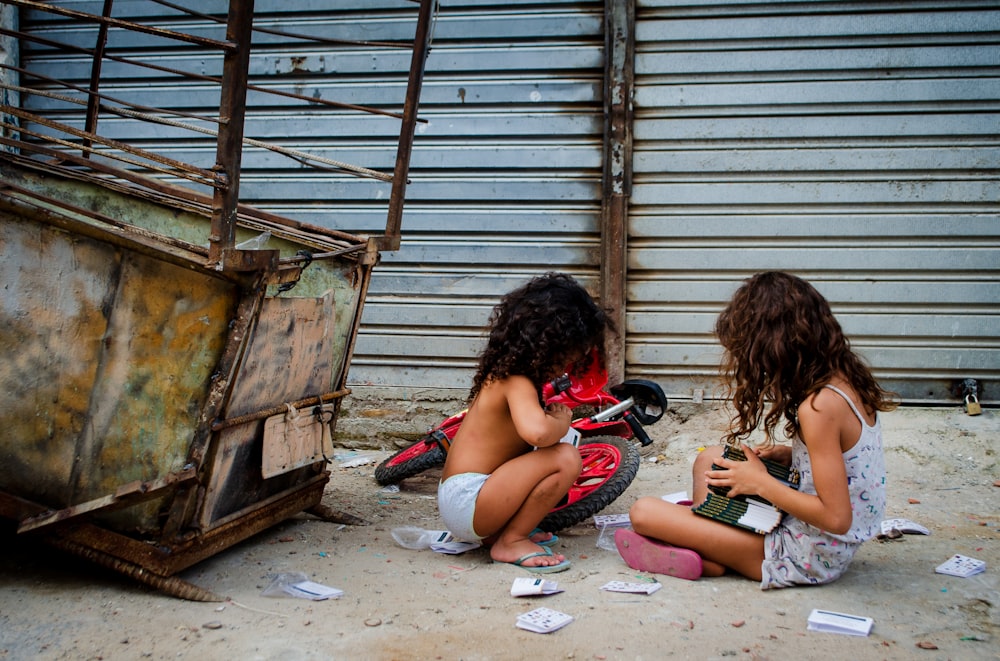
(588, 389)
(609, 458)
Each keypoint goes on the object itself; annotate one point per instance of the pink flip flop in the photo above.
(648, 555)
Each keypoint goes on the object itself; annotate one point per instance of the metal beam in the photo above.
(619, 85)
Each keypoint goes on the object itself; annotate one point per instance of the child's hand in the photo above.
(560, 412)
(742, 477)
(779, 453)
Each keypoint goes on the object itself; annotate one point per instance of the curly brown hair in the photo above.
(782, 344)
(546, 326)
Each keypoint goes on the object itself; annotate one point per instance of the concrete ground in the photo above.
(403, 604)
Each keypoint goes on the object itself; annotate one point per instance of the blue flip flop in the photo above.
(545, 569)
(548, 542)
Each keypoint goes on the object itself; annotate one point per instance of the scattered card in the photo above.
(962, 566)
(611, 520)
(543, 620)
(904, 526)
(572, 437)
(525, 586)
(831, 622)
(636, 588)
(453, 547)
(314, 591)
(676, 497)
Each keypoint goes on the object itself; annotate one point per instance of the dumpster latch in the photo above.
(297, 438)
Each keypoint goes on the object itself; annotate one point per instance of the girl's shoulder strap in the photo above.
(849, 401)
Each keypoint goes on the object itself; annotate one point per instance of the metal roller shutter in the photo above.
(853, 144)
(505, 184)
(505, 175)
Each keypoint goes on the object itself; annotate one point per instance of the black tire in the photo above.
(613, 486)
(422, 455)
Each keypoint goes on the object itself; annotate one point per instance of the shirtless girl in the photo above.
(506, 468)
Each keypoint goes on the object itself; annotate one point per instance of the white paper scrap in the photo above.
(359, 461)
(635, 588)
(611, 520)
(314, 591)
(454, 547)
(904, 526)
(525, 586)
(676, 497)
(831, 622)
(572, 436)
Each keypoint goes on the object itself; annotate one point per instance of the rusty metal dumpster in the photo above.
(173, 361)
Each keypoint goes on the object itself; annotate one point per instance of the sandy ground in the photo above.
(403, 604)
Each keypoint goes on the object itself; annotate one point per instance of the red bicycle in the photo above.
(610, 457)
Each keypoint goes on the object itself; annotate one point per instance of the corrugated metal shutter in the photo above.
(853, 144)
(505, 177)
(505, 184)
(372, 74)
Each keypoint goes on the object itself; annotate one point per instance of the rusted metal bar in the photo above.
(267, 413)
(171, 585)
(207, 176)
(194, 76)
(125, 25)
(421, 47)
(367, 264)
(122, 238)
(64, 156)
(105, 97)
(229, 150)
(95, 76)
(117, 234)
(191, 200)
(619, 81)
(236, 527)
(129, 228)
(125, 495)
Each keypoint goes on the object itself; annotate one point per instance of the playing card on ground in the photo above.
(962, 566)
(832, 622)
(611, 520)
(526, 586)
(543, 620)
(636, 588)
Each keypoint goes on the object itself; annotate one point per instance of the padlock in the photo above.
(972, 406)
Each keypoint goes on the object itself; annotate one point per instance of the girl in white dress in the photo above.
(786, 361)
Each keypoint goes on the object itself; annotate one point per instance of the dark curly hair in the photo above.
(782, 344)
(546, 326)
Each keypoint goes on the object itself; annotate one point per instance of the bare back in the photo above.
(504, 421)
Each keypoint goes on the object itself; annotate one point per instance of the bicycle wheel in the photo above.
(610, 464)
(422, 455)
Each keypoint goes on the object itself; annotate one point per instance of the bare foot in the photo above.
(537, 538)
(503, 551)
(541, 536)
(709, 568)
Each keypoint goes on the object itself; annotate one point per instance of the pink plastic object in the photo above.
(651, 556)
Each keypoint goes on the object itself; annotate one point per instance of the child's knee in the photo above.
(569, 458)
(705, 458)
(642, 511)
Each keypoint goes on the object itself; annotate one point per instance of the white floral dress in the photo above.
(796, 553)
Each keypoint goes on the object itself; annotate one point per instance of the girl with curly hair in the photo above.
(786, 360)
(506, 467)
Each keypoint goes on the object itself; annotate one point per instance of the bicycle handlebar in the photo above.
(637, 428)
(612, 411)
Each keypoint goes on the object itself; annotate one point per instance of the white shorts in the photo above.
(457, 504)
